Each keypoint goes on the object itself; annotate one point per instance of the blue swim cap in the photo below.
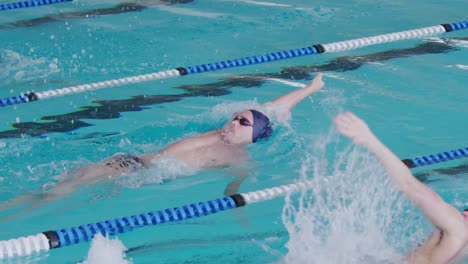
(261, 126)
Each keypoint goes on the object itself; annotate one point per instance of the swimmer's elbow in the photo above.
(421, 195)
(412, 187)
(458, 232)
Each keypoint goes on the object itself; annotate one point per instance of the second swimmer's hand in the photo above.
(354, 128)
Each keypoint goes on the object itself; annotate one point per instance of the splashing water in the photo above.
(356, 215)
(105, 250)
(164, 169)
(19, 68)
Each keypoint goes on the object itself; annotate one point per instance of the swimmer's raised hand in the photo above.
(291, 99)
(354, 128)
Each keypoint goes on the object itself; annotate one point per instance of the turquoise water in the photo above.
(412, 93)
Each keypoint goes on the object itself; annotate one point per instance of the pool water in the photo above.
(412, 94)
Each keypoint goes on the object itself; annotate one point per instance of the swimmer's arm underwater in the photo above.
(441, 214)
(233, 187)
(289, 100)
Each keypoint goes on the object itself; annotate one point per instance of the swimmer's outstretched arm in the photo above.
(440, 213)
(289, 100)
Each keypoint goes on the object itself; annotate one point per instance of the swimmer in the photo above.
(449, 241)
(217, 148)
(224, 147)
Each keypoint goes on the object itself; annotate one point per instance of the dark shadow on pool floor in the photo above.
(118, 9)
(455, 171)
(109, 109)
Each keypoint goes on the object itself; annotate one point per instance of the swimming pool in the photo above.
(411, 93)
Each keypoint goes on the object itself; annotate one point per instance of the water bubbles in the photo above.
(17, 120)
(53, 65)
(30, 169)
(52, 37)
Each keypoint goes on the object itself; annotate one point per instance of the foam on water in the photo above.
(459, 66)
(263, 3)
(190, 12)
(163, 169)
(20, 68)
(105, 250)
(457, 42)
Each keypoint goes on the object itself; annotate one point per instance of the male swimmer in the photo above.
(449, 241)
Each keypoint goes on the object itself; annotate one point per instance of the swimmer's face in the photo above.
(239, 129)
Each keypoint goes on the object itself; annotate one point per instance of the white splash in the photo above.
(289, 83)
(189, 12)
(459, 66)
(354, 216)
(105, 250)
(462, 43)
(262, 3)
(163, 169)
(276, 114)
(15, 67)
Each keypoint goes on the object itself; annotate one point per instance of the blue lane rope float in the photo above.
(68, 236)
(250, 60)
(73, 235)
(436, 158)
(32, 3)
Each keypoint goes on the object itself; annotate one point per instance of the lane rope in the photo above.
(73, 235)
(250, 60)
(436, 158)
(45, 241)
(31, 3)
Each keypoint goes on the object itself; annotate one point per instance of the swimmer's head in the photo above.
(261, 126)
(246, 127)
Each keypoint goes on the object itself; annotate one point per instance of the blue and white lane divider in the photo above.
(31, 3)
(45, 241)
(215, 66)
(436, 158)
